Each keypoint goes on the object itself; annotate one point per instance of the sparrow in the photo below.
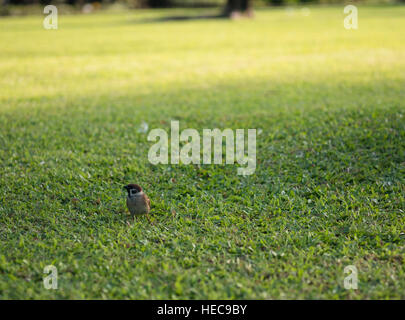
(138, 202)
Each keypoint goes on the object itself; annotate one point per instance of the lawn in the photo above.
(328, 191)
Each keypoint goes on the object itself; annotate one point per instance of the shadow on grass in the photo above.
(182, 18)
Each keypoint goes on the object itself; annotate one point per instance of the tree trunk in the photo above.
(237, 7)
(158, 3)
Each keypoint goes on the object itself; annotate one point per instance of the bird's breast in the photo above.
(136, 205)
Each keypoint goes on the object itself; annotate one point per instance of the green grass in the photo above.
(328, 190)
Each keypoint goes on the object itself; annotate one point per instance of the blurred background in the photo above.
(226, 8)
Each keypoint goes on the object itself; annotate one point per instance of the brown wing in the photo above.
(148, 201)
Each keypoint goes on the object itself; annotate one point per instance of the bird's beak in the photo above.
(126, 188)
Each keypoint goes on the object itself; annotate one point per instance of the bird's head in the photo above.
(133, 189)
